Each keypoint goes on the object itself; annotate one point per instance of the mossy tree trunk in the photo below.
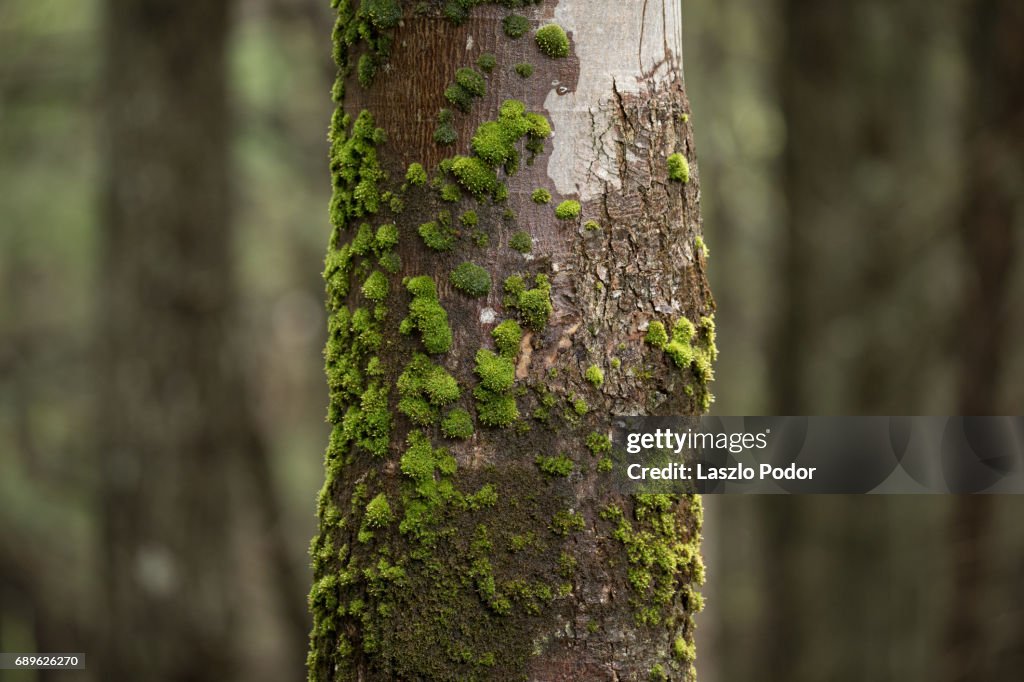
(515, 202)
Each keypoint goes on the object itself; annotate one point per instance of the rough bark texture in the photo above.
(170, 422)
(503, 555)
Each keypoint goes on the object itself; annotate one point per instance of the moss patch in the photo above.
(427, 316)
(471, 279)
(678, 168)
(553, 41)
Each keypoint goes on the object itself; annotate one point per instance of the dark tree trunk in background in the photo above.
(990, 221)
(503, 554)
(172, 423)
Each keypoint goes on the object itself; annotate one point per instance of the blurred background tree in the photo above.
(862, 178)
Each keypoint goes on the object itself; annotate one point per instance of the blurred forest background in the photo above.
(862, 168)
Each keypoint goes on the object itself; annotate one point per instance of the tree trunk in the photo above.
(171, 422)
(467, 529)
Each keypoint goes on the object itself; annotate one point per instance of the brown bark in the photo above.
(607, 285)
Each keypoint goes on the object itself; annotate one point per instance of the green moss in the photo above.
(524, 69)
(468, 85)
(457, 424)
(416, 175)
(475, 175)
(376, 286)
(604, 465)
(568, 210)
(521, 242)
(450, 192)
(533, 305)
(662, 550)
(471, 81)
(598, 443)
(541, 196)
(507, 337)
(496, 406)
(366, 69)
(579, 405)
(683, 651)
(471, 279)
(496, 373)
(378, 512)
(487, 62)
(594, 375)
(616, 363)
(560, 465)
(383, 14)
(658, 673)
(424, 387)
(566, 522)
(427, 315)
(438, 234)
(515, 26)
(591, 226)
(656, 335)
(553, 41)
(445, 133)
(678, 168)
(701, 246)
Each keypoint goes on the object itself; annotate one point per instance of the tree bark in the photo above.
(171, 421)
(503, 554)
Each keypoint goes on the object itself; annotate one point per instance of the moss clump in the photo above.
(378, 512)
(579, 405)
(376, 286)
(678, 168)
(438, 234)
(553, 41)
(386, 237)
(515, 26)
(533, 305)
(594, 375)
(616, 363)
(565, 522)
(521, 242)
(507, 337)
(524, 69)
(487, 62)
(445, 133)
(598, 443)
(424, 387)
(496, 406)
(471, 279)
(475, 175)
(591, 226)
(383, 14)
(366, 69)
(427, 316)
(416, 176)
(560, 465)
(450, 192)
(469, 219)
(683, 651)
(568, 210)
(468, 85)
(656, 335)
(541, 196)
(496, 373)
(471, 81)
(658, 673)
(702, 248)
(457, 424)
